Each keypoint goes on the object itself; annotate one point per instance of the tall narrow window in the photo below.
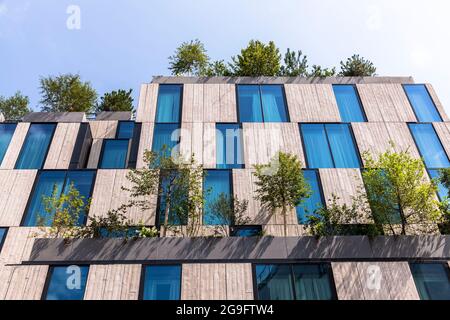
(432, 280)
(3, 232)
(262, 103)
(168, 109)
(421, 102)
(114, 154)
(298, 281)
(229, 150)
(329, 146)
(216, 183)
(429, 145)
(172, 199)
(6, 133)
(47, 182)
(35, 147)
(350, 107)
(66, 283)
(162, 283)
(165, 136)
(314, 202)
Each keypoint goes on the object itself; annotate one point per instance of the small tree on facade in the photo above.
(281, 184)
(14, 107)
(398, 192)
(190, 59)
(444, 179)
(66, 93)
(229, 211)
(357, 66)
(120, 100)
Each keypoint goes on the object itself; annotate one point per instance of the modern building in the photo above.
(327, 123)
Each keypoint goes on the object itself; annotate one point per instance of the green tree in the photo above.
(62, 211)
(257, 59)
(398, 192)
(14, 107)
(66, 93)
(218, 69)
(178, 183)
(319, 71)
(281, 184)
(120, 100)
(295, 64)
(357, 66)
(444, 180)
(189, 59)
(230, 211)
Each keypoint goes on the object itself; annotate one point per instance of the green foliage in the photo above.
(147, 232)
(218, 69)
(178, 181)
(319, 71)
(295, 64)
(444, 179)
(14, 107)
(66, 93)
(337, 219)
(120, 100)
(230, 211)
(281, 184)
(190, 59)
(62, 212)
(257, 59)
(398, 192)
(357, 66)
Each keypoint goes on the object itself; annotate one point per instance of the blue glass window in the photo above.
(61, 180)
(178, 203)
(246, 231)
(314, 202)
(422, 104)
(114, 155)
(125, 130)
(261, 103)
(429, 145)
(169, 103)
(162, 283)
(216, 182)
(2, 237)
(442, 190)
(329, 146)
(349, 104)
(167, 135)
(432, 280)
(6, 133)
(229, 151)
(274, 282)
(35, 147)
(313, 282)
(67, 283)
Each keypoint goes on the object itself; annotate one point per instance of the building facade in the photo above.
(228, 125)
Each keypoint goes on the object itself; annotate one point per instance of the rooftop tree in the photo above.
(14, 107)
(295, 64)
(189, 59)
(281, 184)
(66, 93)
(357, 66)
(120, 100)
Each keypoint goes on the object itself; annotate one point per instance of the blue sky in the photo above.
(122, 43)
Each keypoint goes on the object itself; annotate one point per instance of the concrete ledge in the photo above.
(54, 117)
(114, 115)
(54, 251)
(281, 80)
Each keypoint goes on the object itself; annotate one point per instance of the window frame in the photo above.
(48, 147)
(158, 263)
(444, 263)
(238, 124)
(3, 240)
(48, 279)
(352, 136)
(12, 136)
(238, 105)
(322, 195)
(180, 120)
(412, 106)
(230, 171)
(358, 97)
(292, 278)
(35, 184)
(127, 158)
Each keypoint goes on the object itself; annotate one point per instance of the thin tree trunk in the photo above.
(284, 210)
(166, 217)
